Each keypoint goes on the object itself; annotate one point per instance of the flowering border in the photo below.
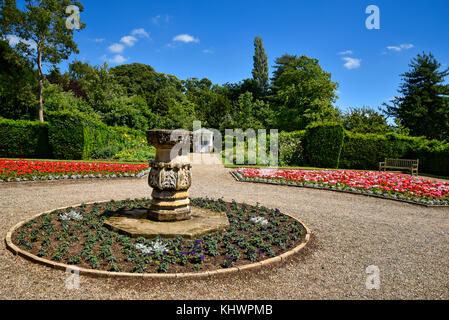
(404, 198)
(79, 177)
(188, 275)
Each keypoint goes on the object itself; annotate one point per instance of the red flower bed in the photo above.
(32, 170)
(394, 185)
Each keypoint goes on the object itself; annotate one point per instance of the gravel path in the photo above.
(409, 244)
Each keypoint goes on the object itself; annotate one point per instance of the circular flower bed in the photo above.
(76, 236)
(29, 170)
(374, 183)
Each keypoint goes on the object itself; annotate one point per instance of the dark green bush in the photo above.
(24, 139)
(365, 151)
(323, 143)
(291, 152)
(73, 135)
(433, 156)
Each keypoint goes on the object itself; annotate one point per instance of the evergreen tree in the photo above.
(260, 69)
(422, 107)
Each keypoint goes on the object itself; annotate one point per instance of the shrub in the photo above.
(124, 144)
(24, 139)
(133, 155)
(433, 156)
(365, 151)
(291, 152)
(323, 143)
(73, 135)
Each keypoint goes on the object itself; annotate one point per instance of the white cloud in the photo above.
(160, 18)
(14, 40)
(208, 51)
(185, 38)
(128, 40)
(116, 48)
(401, 47)
(140, 32)
(98, 40)
(352, 63)
(346, 52)
(117, 59)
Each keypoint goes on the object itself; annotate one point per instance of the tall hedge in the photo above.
(24, 139)
(73, 135)
(323, 143)
(433, 156)
(365, 151)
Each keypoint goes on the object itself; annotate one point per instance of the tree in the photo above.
(41, 32)
(422, 106)
(18, 98)
(250, 113)
(281, 65)
(304, 93)
(260, 69)
(365, 120)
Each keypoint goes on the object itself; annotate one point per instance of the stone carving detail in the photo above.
(153, 178)
(184, 179)
(168, 179)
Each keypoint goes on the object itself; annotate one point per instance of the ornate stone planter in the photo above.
(169, 214)
(170, 175)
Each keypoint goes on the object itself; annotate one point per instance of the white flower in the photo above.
(158, 247)
(259, 220)
(72, 215)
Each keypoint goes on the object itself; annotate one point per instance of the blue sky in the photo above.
(214, 39)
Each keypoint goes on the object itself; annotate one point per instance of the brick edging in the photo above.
(187, 275)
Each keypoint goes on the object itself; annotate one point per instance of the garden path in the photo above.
(409, 244)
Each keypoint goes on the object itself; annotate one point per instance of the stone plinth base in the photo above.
(135, 223)
(169, 206)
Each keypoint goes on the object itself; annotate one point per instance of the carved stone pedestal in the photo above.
(170, 214)
(170, 176)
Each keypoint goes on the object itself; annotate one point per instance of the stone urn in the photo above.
(170, 175)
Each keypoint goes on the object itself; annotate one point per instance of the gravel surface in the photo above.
(409, 244)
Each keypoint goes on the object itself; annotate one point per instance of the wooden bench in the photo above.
(403, 164)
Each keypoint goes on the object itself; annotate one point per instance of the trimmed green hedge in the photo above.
(323, 143)
(73, 135)
(365, 151)
(433, 156)
(24, 139)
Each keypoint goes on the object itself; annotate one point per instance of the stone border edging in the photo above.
(139, 175)
(187, 275)
(236, 177)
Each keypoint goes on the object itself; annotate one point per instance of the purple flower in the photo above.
(202, 257)
(184, 252)
(198, 241)
(260, 252)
